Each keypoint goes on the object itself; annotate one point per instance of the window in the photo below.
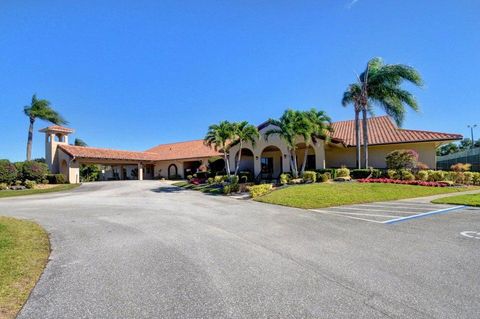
(267, 164)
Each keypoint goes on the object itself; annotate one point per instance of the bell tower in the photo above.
(54, 135)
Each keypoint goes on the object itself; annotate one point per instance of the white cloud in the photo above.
(352, 3)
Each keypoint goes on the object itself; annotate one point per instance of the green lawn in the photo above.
(468, 199)
(63, 187)
(24, 249)
(336, 194)
(204, 188)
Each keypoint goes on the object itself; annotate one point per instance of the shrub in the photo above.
(8, 172)
(219, 179)
(342, 172)
(436, 176)
(402, 159)
(460, 167)
(422, 176)
(421, 166)
(365, 173)
(397, 181)
(309, 176)
(285, 178)
(234, 179)
(331, 171)
(18, 183)
(259, 190)
(406, 175)
(210, 180)
(3, 186)
(56, 178)
(392, 174)
(323, 178)
(467, 178)
(476, 179)
(231, 188)
(30, 184)
(34, 171)
(189, 177)
(245, 176)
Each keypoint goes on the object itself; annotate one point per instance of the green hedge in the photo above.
(364, 173)
(259, 190)
(56, 179)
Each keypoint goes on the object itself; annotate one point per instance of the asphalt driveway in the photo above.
(149, 250)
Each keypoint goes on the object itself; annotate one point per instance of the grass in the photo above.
(204, 188)
(24, 249)
(336, 194)
(62, 187)
(467, 199)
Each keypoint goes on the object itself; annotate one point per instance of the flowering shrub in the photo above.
(8, 172)
(398, 181)
(460, 167)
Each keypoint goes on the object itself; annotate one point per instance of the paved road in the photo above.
(147, 250)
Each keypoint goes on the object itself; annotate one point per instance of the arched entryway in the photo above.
(310, 160)
(271, 162)
(64, 169)
(247, 161)
(172, 171)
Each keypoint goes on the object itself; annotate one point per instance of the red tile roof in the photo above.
(183, 150)
(57, 128)
(382, 130)
(105, 153)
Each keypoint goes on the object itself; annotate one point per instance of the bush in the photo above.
(210, 180)
(342, 172)
(422, 176)
(331, 171)
(460, 167)
(234, 179)
(219, 179)
(8, 172)
(405, 175)
(402, 159)
(56, 179)
(467, 178)
(231, 188)
(259, 190)
(365, 173)
(285, 178)
(30, 184)
(323, 178)
(3, 186)
(189, 177)
(34, 171)
(245, 176)
(309, 177)
(476, 179)
(436, 176)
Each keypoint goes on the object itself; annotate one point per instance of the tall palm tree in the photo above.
(288, 129)
(380, 85)
(352, 96)
(79, 142)
(244, 132)
(40, 108)
(319, 126)
(218, 135)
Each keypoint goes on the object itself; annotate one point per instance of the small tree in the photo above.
(243, 132)
(402, 159)
(8, 172)
(218, 136)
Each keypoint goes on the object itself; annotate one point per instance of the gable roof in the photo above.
(382, 130)
(183, 150)
(105, 153)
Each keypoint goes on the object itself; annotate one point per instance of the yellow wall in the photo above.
(337, 157)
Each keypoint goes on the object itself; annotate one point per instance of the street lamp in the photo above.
(471, 127)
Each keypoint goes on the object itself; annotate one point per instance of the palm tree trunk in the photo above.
(365, 137)
(30, 139)
(357, 138)
(295, 166)
(238, 159)
(304, 164)
(227, 164)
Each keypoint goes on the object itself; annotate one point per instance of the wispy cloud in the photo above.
(351, 3)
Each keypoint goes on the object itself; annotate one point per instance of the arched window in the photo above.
(172, 170)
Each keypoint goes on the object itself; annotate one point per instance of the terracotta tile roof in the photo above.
(183, 150)
(105, 153)
(382, 130)
(57, 128)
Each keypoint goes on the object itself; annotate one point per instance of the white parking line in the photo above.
(351, 217)
(370, 209)
(440, 211)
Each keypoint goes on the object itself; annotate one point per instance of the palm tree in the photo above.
(352, 96)
(79, 142)
(380, 85)
(218, 136)
(244, 132)
(40, 109)
(288, 129)
(319, 126)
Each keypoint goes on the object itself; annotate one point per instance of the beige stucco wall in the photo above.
(337, 157)
(161, 167)
(72, 172)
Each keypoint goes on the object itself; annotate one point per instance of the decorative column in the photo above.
(140, 172)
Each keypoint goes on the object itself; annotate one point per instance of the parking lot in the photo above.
(389, 212)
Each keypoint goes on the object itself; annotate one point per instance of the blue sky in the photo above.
(133, 74)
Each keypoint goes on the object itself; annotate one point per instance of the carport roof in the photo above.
(106, 154)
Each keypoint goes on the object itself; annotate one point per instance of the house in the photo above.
(266, 156)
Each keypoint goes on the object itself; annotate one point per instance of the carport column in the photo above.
(140, 172)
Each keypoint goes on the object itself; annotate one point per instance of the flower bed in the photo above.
(398, 181)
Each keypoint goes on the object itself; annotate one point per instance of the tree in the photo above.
(319, 125)
(40, 108)
(290, 125)
(352, 96)
(446, 149)
(380, 85)
(218, 135)
(243, 132)
(79, 142)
